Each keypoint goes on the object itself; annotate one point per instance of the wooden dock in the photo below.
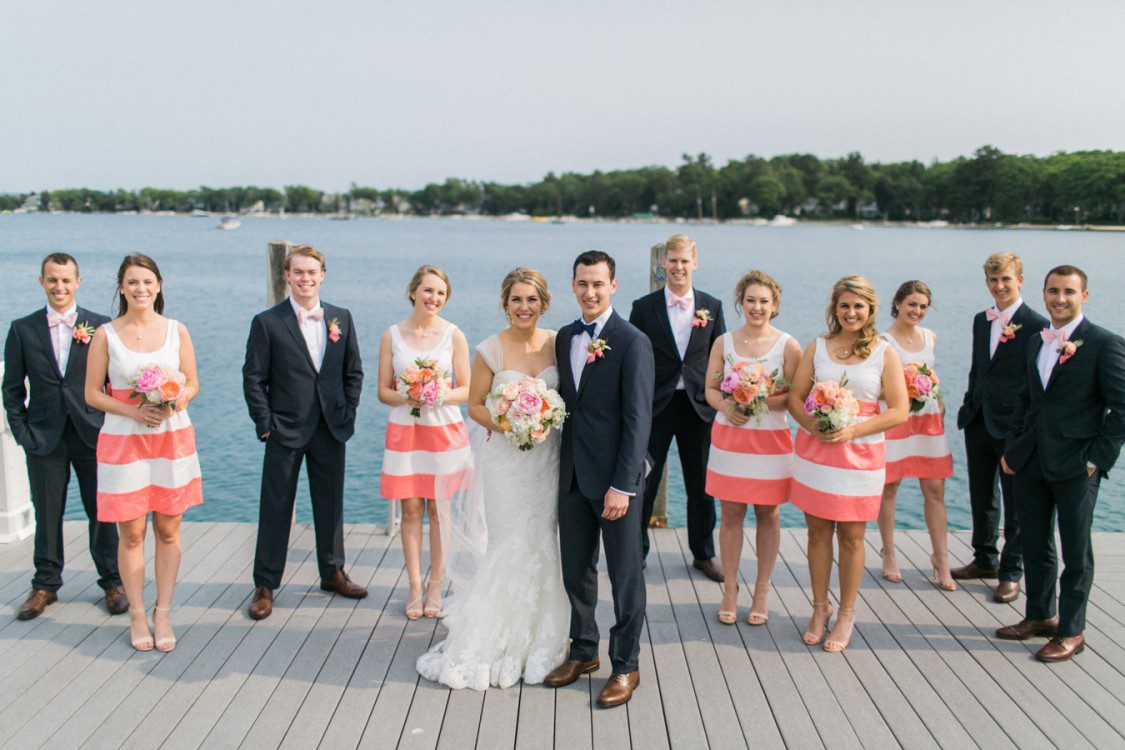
(923, 670)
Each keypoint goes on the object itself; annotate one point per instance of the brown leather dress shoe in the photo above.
(343, 586)
(972, 570)
(709, 569)
(35, 603)
(116, 602)
(1026, 628)
(619, 689)
(1061, 649)
(261, 604)
(569, 671)
(1006, 591)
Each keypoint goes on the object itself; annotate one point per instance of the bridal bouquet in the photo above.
(832, 405)
(748, 385)
(160, 386)
(424, 381)
(525, 411)
(921, 385)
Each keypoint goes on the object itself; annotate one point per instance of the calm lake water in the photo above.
(215, 282)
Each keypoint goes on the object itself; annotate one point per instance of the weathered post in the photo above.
(656, 278)
(17, 518)
(275, 272)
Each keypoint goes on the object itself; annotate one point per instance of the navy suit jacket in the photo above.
(650, 315)
(609, 416)
(284, 392)
(1080, 415)
(28, 353)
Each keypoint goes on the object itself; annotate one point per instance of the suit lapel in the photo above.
(605, 334)
(665, 321)
(289, 315)
(698, 333)
(562, 361)
(43, 332)
(1078, 333)
(82, 317)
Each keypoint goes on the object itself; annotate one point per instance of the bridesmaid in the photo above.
(146, 453)
(427, 452)
(917, 449)
(838, 475)
(751, 459)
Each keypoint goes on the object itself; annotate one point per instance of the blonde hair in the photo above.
(421, 273)
(525, 276)
(307, 251)
(679, 242)
(862, 288)
(762, 278)
(997, 262)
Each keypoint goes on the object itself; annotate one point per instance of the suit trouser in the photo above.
(580, 524)
(1039, 500)
(680, 420)
(324, 460)
(49, 477)
(987, 484)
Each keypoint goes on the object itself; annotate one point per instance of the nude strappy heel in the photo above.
(726, 616)
(163, 644)
(892, 576)
(949, 585)
(762, 594)
(414, 606)
(144, 643)
(432, 609)
(835, 646)
(810, 637)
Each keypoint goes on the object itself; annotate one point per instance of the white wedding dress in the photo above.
(508, 617)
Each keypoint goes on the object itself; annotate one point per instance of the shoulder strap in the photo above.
(492, 352)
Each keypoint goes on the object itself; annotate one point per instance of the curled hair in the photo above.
(1066, 270)
(307, 251)
(908, 288)
(764, 279)
(59, 259)
(421, 273)
(862, 288)
(997, 262)
(593, 258)
(525, 276)
(680, 242)
(137, 260)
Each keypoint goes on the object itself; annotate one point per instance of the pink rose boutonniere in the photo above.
(702, 318)
(334, 330)
(1009, 332)
(83, 332)
(1067, 349)
(596, 349)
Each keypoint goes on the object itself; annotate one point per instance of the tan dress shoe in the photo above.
(342, 585)
(1025, 629)
(1061, 649)
(35, 603)
(569, 671)
(972, 570)
(116, 602)
(619, 689)
(709, 569)
(1007, 591)
(261, 604)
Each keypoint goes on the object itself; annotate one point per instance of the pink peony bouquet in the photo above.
(161, 386)
(921, 384)
(832, 405)
(526, 410)
(748, 385)
(424, 381)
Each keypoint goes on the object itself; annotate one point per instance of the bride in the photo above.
(508, 618)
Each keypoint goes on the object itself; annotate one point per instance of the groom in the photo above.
(606, 379)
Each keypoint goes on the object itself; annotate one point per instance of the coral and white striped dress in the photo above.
(752, 463)
(428, 455)
(143, 469)
(843, 481)
(918, 449)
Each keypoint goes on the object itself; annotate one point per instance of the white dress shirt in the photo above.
(999, 324)
(62, 336)
(681, 321)
(314, 331)
(1049, 353)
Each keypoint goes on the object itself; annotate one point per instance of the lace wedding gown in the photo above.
(511, 618)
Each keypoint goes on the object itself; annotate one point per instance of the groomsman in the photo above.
(302, 381)
(1066, 434)
(1001, 336)
(682, 323)
(57, 431)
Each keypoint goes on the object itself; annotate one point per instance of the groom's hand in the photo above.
(616, 504)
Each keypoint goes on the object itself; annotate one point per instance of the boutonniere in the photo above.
(1009, 332)
(83, 332)
(702, 318)
(1067, 349)
(334, 330)
(596, 349)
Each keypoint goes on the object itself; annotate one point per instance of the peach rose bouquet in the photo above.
(748, 385)
(921, 384)
(424, 381)
(161, 386)
(526, 411)
(832, 405)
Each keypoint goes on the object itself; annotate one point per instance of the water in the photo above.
(215, 282)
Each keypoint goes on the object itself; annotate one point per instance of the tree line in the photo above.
(989, 186)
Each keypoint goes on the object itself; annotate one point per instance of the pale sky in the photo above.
(127, 94)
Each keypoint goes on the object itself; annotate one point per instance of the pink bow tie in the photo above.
(1050, 334)
(317, 314)
(677, 301)
(993, 314)
(54, 318)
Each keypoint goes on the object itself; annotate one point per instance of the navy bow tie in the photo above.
(578, 327)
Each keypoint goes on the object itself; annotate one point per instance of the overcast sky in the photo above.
(128, 94)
